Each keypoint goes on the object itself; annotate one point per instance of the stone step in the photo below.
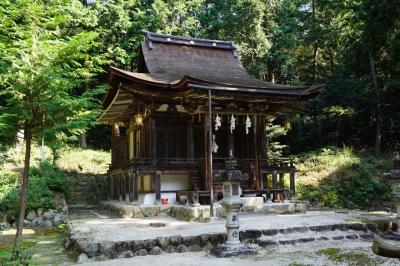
(81, 207)
(261, 237)
(310, 236)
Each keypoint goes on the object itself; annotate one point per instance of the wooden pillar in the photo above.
(256, 143)
(116, 188)
(262, 150)
(292, 185)
(135, 189)
(190, 140)
(157, 187)
(281, 180)
(119, 188)
(231, 143)
(274, 182)
(206, 175)
(282, 184)
(109, 195)
(153, 140)
(126, 187)
(114, 142)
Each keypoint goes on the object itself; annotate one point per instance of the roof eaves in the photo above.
(275, 92)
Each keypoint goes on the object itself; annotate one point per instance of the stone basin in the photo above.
(387, 245)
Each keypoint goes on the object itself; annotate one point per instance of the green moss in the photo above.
(24, 259)
(355, 258)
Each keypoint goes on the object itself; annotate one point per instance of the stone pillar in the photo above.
(232, 204)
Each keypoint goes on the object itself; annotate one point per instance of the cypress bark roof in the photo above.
(172, 65)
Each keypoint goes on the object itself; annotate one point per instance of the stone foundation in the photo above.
(86, 188)
(196, 213)
(257, 238)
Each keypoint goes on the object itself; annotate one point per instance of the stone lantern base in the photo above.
(226, 250)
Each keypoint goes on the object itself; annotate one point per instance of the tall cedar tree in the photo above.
(44, 64)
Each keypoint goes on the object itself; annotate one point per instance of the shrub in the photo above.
(8, 183)
(43, 182)
(333, 177)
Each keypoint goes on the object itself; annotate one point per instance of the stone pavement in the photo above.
(104, 236)
(109, 228)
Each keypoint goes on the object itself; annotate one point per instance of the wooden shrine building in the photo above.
(160, 118)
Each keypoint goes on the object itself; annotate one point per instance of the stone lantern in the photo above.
(232, 203)
(387, 244)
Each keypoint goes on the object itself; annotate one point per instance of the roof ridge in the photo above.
(189, 41)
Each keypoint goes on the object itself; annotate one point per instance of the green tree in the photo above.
(44, 64)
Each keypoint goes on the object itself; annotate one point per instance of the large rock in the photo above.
(31, 215)
(49, 215)
(88, 247)
(39, 212)
(126, 254)
(163, 242)
(58, 219)
(82, 258)
(47, 224)
(4, 225)
(155, 251)
(37, 222)
(107, 248)
(65, 210)
(142, 252)
(182, 248)
(27, 223)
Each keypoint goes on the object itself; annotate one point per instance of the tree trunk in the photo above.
(315, 47)
(378, 112)
(24, 190)
(82, 140)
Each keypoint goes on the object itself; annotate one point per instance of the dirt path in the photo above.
(44, 246)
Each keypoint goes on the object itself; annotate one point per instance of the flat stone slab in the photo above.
(226, 251)
(199, 213)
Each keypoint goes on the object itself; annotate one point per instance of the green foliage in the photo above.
(84, 160)
(341, 178)
(44, 181)
(8, 182)
(25, 258)
(274, 148)
(46, 64)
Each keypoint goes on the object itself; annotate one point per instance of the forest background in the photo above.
(55, 55)
(352, 46)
